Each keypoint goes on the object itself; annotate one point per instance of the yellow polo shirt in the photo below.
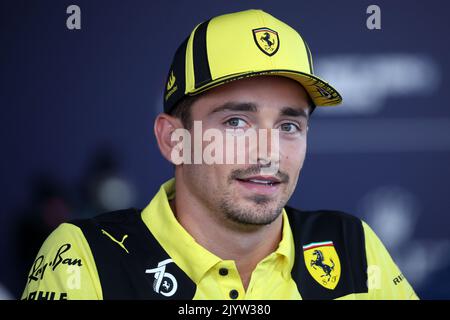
(65, 267)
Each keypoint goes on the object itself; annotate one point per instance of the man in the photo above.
(221, 228)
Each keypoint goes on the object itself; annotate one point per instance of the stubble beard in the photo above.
(263, 212)
(257, 210)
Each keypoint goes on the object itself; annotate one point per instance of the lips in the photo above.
(261, 180)
(262, 185)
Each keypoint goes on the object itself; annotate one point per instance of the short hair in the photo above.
(182, 110)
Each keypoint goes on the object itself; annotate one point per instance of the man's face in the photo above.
(243, 193)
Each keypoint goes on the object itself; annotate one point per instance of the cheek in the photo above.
(208, 177)
(292, 155)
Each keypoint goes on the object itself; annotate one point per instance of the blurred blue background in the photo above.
(77, 111)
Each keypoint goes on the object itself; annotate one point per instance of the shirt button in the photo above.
(223, 271)
(234, 294)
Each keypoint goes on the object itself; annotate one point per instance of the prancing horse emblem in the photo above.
(322, 262)
(319, 263)
(267, 40)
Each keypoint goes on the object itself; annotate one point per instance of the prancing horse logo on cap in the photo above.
(267, 40)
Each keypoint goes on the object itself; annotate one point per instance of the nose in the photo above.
(268, 155)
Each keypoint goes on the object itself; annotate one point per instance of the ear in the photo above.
(164, 127)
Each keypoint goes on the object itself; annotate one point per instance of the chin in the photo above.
(253, 213)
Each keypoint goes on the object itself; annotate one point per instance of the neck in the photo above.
(246, 245)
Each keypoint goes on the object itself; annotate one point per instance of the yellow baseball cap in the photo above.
(238, 45)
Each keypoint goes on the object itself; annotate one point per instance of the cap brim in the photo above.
(320, 92)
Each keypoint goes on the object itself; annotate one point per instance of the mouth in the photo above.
(266, 185)
(261, 180)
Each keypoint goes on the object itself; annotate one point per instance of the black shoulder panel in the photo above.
(347, 234)
(131, 263)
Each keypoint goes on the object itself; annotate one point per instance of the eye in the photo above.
(289, 127)
(236, 123)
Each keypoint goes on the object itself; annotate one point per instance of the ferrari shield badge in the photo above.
(322, 262)
(267, 40)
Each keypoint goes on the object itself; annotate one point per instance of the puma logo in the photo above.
(120, 243)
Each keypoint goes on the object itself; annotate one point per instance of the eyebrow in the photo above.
(294, 112)
(252, 107)
(236, 106)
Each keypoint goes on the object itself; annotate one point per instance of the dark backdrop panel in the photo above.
(77, 111)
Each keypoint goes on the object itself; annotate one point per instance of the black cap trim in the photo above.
(309, 58)
(178, 68)
(202, 73)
